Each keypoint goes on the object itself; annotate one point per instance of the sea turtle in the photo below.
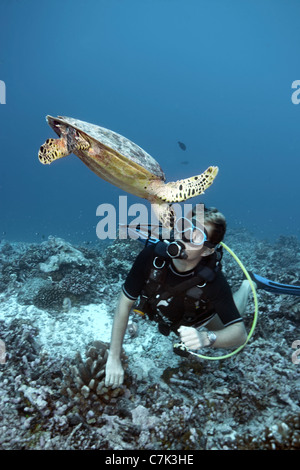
(123, 163)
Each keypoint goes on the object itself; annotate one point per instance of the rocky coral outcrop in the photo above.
(53, 397)
(88, 377)
(65, 254)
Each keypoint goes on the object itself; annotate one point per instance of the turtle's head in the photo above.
(70, 140)
(53, 149)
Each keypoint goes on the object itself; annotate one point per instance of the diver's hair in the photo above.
(217, 221)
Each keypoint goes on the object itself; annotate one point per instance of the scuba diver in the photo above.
(180, 285)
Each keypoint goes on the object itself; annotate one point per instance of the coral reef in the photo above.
(65, 254)
(88, 376)
(55, 325)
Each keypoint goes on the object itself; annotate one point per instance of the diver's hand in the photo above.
(192, 338)
(114, 372)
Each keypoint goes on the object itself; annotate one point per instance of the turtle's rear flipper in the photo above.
(178, 191)
(53, 149)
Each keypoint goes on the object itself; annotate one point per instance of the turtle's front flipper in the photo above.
(178, 191)
(53, 149)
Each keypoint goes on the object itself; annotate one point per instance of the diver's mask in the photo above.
(184, 231)
(189, 232)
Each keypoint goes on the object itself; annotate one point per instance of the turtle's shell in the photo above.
(111, 139)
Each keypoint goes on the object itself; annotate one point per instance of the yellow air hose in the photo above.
(226, 356)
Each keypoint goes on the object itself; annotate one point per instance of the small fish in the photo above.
(185, 162)
(182, 145)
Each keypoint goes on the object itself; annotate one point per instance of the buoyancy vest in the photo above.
(156, 295)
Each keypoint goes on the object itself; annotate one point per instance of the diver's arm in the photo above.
(242, 295)
(114, 370)
(231, 336)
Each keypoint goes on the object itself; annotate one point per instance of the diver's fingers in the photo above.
(190, 337)
(110, 381)
(114, 380)
(114, 372)
(192, 344)
(119, 380)
(186, 332)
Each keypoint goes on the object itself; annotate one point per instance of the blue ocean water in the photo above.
(214, 75)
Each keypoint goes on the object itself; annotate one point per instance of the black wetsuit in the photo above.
(216, 296)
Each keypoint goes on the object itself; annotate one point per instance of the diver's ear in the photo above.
(207, 251)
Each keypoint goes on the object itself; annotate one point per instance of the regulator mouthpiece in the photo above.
(174, 249)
